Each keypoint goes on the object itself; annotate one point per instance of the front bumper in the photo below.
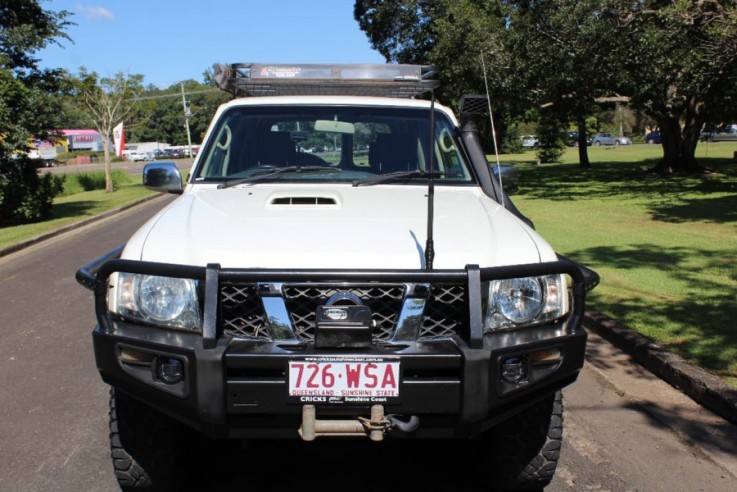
(238, 388)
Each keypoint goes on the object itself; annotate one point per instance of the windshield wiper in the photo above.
(382, 178)
(268, 173)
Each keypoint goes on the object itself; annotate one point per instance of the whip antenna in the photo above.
(493, 132)
(429, 245)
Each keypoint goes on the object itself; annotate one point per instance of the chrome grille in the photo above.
(385, 302)
(243, 315)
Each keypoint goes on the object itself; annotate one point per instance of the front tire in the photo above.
(149, 450)
(522, 453)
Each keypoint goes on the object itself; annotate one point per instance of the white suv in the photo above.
(385, 286)
(135, 155)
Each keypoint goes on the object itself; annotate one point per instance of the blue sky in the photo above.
(168, 41)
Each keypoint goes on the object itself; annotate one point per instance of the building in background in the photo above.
(82, 139)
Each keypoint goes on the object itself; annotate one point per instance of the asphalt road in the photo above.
(625, 430)
(132, 167)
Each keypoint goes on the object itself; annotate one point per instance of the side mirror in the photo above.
(509, 177)
(163, 177)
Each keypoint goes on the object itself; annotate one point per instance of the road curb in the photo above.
(706, 389)
(69, 227)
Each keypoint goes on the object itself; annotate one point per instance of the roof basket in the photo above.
(268, 79)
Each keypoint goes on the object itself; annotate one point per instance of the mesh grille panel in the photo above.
(242, 312)
(445, 312)
(243, 315)
(474, 104)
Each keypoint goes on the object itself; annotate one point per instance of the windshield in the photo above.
(331, 144)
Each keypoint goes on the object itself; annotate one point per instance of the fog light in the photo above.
(169, 370)
(514, 369)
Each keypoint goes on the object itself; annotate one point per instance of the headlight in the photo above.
(518, 302)
(163, 301)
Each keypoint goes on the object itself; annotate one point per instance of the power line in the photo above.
(161, 96)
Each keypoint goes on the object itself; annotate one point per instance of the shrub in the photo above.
(94, 156)
(24, 195)
(512, 143)
(89, 181)
(552, 153)
(551, 145)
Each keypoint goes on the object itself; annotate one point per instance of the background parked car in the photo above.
(134, 155)
(609, 139)
(724, 133)
(160, 154)
(653, 138)
(571, 139)
(529, 141)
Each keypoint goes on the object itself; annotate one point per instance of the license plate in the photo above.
(352, 380)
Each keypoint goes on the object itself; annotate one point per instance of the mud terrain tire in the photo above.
(149, 450)
(522, 453)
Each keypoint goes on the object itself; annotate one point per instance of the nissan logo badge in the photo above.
(336, 314)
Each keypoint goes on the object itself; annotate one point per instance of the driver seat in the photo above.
(393, 152)
(274, 148)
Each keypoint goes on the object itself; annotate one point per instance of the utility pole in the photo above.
(187, 114)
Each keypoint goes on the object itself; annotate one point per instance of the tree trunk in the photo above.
(583, 148)
(679, 142)
(108, 165)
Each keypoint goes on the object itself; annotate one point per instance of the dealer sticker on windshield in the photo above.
(354, 380)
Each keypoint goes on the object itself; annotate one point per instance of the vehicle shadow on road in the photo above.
(359, 466)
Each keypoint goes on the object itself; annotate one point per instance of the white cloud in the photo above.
(94, 13)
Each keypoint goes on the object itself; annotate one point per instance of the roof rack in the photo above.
(269, 79)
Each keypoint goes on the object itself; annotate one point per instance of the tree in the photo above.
(680, 62)
(549, 137)
(29, 107)
(564, 56)
(402, 31)
(454, 35)
(109, 100)
(164, 116)
(675, 61)
(542, 55)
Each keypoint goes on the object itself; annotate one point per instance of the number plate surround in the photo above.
(354, 380)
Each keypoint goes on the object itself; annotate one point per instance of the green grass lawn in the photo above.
(666, 248)
(72, 208)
